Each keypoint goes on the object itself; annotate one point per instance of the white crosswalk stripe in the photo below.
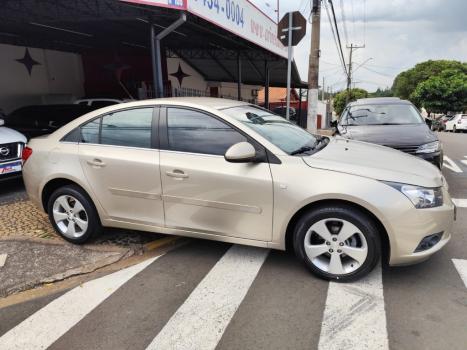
(461, 266)
(200, 322)
(43, 328)
(460, 202)
(451, 165)
(354, 316)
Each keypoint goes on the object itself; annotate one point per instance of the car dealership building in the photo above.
(56, 51)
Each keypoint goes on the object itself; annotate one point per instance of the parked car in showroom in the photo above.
(33, 121)
(391, 122)
(458, 123)
(11, 148)
(98, 102)
(230, 171)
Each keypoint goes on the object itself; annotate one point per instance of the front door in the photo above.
(119, 156)
(202, 191)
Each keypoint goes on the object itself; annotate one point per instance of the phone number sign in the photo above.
(241, 18)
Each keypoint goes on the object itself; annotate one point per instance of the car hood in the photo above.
(390, 135)
(8, 135)
(376, 162)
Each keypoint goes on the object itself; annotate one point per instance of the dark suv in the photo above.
(390, 122)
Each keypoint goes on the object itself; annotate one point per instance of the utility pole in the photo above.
(349, 72)
(322, 91)
(313, 66)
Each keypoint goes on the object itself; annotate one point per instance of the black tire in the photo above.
(358, 218)
(93, 222)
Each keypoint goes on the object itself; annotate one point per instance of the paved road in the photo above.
(11, 190)
(208, 295)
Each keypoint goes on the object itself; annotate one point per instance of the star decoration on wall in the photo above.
(180, 75)
(28, 61)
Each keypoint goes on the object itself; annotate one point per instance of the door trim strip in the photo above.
(135, 194)
(213, 204)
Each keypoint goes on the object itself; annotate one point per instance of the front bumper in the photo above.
(415, 225)
(10, 169)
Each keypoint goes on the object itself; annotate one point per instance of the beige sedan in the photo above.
(233, 172)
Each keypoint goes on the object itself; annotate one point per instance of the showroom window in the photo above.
(196, 132)
(130, 128)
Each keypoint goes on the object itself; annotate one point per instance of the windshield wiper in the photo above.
(318, 145)
(302, 149)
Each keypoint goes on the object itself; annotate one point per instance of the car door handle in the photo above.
(96, 163)
(178, 174)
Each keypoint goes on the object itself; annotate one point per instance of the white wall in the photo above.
(197, 82)
(194, 81)
(58, 78)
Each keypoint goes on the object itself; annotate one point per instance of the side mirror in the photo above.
(333, 123)
(242, 152)
(2, 122)
(428, 122)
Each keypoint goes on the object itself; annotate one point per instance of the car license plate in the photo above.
(10, 168)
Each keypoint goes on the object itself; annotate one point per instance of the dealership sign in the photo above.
(239, 17)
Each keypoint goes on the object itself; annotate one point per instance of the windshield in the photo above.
(392, 114)
(287, 136)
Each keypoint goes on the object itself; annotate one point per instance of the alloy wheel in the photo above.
(70, 216)
(336, 246)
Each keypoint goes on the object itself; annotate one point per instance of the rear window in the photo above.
(464, 116)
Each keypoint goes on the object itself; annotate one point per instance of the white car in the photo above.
(11, 147)
(458, 123)
(98, 102)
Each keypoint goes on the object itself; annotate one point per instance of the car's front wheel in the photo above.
(73, 215)
(338, 243)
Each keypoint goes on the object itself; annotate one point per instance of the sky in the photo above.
(397, 34)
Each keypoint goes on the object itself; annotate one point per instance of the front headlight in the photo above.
(421, 197)
(429, 147)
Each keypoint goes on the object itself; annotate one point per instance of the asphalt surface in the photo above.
(213, 295)
(12, 190)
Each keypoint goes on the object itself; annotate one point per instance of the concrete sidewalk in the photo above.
(32, 262)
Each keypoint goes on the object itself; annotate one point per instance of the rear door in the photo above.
(120, 158)
(202, 192)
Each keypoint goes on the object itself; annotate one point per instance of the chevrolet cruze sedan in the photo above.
(234, 172)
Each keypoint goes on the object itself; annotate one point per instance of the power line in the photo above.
(364, 22)
(353, 19)
(344, 24)
(374, 71)
(336, 41)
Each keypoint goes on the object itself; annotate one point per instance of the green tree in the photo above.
(442, 93)
(340, 98)
(406, 82)
(387, 92)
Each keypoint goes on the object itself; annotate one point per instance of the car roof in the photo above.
(379, 101)
(211, 102)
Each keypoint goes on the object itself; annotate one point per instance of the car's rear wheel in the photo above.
(338, 243)
(73, 215)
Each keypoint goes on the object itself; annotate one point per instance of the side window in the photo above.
(130, 128)
(196, 132)
(90, 131)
